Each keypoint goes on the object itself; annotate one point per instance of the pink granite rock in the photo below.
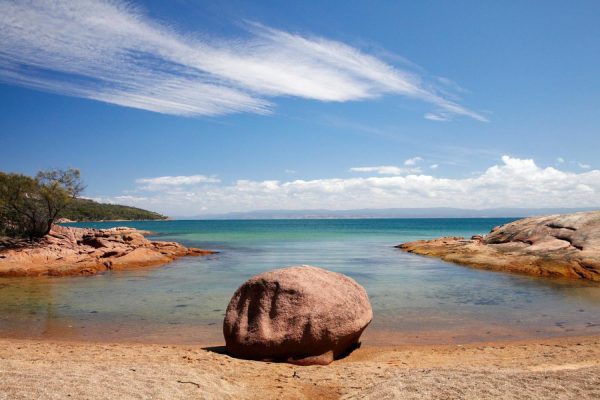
(303, 314)
(561, 246)
(84, 251)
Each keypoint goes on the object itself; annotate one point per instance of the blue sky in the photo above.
(198, 107)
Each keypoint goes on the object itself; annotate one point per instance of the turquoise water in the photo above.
(415, 299)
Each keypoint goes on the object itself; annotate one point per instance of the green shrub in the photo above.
(30, 206)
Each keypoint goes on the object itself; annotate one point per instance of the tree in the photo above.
(16, 191)
(29, 206)
(57, 189)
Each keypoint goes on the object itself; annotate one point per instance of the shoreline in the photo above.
(212, 335)
(151, 361)
(367, 340)
(554, 246)
(535, 368)
(65, 223)
(69, 251)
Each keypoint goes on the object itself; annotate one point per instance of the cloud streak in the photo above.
(385, 170)
(410, 167)
(111, 51)
(413, 161)
(161, 182)
(512, 183)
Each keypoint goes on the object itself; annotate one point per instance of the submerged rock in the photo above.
(303, 314)
(82, 251)
(565, 246)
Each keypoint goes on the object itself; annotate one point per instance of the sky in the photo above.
(205, 107)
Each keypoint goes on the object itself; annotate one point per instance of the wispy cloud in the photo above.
(413, 161)
(386, 170)
(171, 181)
(410, 167)
(581, 165)
(111, 51)
(438, 116)
(513, 182)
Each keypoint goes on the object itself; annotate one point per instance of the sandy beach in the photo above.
(564, 368)
(299, 200)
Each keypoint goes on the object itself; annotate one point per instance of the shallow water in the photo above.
(415, 299)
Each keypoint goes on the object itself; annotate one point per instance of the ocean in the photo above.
(415, 299)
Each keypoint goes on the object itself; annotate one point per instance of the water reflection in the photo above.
(415, 299)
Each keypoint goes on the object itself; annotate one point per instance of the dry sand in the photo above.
(565, 368)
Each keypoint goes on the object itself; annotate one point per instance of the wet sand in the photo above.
(562, 368)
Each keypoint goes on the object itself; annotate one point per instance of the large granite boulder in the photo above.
(305, 315)
(565, 246)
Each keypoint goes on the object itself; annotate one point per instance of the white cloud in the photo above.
(437, 116)
(177, 180)
(581, 165)
(128, 198)
(413, 161)
(382, 170)
(387, 170)
(449, 83)
(409, 168)
(434, 166)
(124, 199)
(512, 183)
(112, 52)
(161, 182)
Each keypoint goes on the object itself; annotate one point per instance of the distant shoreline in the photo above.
(61, 222)
(387, 213)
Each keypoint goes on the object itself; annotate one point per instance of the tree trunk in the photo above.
(49, 227)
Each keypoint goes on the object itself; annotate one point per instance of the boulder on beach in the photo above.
(562, 246)
(303, 314)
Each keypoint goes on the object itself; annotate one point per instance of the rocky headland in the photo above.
(83, 251)
(562, 246)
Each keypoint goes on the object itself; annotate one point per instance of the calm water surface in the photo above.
(415, 299)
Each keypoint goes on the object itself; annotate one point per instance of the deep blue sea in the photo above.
(415, 299)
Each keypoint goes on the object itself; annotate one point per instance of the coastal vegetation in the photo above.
(90, 210)
(29, 206)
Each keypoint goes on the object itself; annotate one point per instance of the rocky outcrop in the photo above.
(566, 246)
(79, 251)
(305, 315)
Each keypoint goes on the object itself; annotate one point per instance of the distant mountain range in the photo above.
(440, 212)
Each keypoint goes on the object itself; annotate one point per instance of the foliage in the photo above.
(30, 206)
(89, 210)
